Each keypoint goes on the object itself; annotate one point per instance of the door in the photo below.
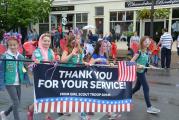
(158, 26)
(99, 26)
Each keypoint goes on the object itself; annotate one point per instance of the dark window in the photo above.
(121, 16)
(84, 17)
(175, 13)
(113, 16)
(99, 11)
(129, 15)
(78, 17)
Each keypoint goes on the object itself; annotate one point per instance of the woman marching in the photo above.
(14, 72)
(42, 53)
(142, 60)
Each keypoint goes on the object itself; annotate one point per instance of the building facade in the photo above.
(108, 15)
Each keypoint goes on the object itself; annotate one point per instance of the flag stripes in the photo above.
(67, 105)
(126, 71)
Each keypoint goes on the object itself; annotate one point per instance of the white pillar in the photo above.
(170, 21)
(106, 21)
(134, 21)
(141, 28)
(74, 21)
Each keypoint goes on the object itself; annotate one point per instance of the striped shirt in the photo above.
(166, 40)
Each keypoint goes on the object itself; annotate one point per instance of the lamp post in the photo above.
(152, 19)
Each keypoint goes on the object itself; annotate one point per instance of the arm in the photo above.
(93, 61)
(66, 56)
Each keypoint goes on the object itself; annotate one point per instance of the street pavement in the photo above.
(164, 94)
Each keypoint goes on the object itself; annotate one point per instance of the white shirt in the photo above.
(17, 75)
(118, 29)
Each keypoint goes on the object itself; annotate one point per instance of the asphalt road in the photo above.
(164, 93)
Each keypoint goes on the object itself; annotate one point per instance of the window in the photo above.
(175, 13)
(129, 15)
(84, 17)
(78, 17)
(99, 11)
(121, 16)
(81, 19)
(121, 22)
(113, 16)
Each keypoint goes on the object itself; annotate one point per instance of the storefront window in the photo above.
(129, 15)
(123, 20)
(121, 16)
(175, 13)
(113, 16)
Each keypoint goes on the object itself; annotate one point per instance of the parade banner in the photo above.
(83, 88)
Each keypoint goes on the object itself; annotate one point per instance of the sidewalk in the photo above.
(122, 45)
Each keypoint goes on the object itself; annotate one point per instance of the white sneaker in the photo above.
(3, 116)
(153, 110)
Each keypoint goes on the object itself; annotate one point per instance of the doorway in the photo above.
(158, 26)
(99, 26)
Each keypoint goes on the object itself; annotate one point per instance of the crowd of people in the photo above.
(75, 50)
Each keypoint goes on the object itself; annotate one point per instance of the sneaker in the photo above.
(153, 110)
(114, 116)
(49, 118)
(84, 116)
(3, 116)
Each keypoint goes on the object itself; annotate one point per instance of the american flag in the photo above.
(76, 104)
(126, 71)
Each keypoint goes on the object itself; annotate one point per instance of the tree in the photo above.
(20, 13)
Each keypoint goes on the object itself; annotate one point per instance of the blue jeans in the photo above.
(141, 80)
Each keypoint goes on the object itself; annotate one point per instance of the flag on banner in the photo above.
(73, 104)
(126, 71)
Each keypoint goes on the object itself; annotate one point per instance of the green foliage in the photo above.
(161, 13)
(143, 14)
(20, 13)
(128, 33)
(158, 13)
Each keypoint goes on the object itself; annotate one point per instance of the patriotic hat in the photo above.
(12, 36)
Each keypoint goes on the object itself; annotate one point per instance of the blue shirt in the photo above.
(104, 59)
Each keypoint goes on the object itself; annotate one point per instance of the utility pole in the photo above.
(152, 19)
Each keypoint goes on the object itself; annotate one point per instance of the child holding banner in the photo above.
(99, 55)
(72, 54)
(142, 59)
(13, 74)
(42, 53)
